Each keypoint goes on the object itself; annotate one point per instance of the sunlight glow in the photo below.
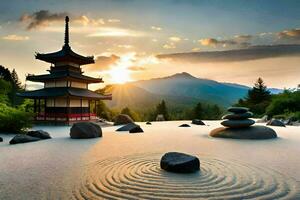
(119, 75)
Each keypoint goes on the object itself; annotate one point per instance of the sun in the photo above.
(119, 75)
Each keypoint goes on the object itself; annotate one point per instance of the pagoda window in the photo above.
(79, 85)
(77, 103)
(61, 84)
(59, 102)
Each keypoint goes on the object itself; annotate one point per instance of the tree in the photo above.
(257, 99)
(130, 113)
(198, 111)
(161, 109)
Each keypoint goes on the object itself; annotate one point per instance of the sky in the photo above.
(229, 41)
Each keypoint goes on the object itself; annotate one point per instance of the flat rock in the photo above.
(148, 123)
(275, 122)
(238, 109)
(22, 138)
(85, 130)
(1, 139)
(197, 122)
(245, 115)
(252, 132)
(122, 119)
(238, 123)
(39, 134)
(127, 127)
(179, 162)
(184, 125)
(137, 129)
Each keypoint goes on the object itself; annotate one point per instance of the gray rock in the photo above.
(275, 122)
(22, 138)
(238, 123)
(84, 130)
(264, 119)
(127, 127)
(238, 109)
(184, 125)
(252, 132)
(238, 116)
(137, 129)
(122, 119)
(39, 134)
(179, 162)
(1, 139)
(148, 123)
(197, 122)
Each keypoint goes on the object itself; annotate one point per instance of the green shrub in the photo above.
(13, 120)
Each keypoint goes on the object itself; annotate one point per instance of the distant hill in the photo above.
(179, 91)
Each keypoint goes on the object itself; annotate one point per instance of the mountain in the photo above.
(188, 86)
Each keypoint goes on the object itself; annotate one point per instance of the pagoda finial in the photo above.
(67, 31)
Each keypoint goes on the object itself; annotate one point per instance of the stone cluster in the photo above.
(238, 118)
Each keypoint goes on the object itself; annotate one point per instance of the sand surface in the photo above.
(126, 166)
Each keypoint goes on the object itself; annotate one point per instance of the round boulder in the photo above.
(85, 130)
(184, 125)
(136, 129)
(275, 122)
(127, 127)
(22, 138)
(179, 162)
(238, 109)
(245, 115)
(197, 122)
(238, 123)
(252, 132)
(39, 134)
(122, 119)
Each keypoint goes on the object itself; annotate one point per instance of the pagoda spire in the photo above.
(67, 32)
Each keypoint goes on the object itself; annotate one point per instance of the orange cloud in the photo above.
(15, 38)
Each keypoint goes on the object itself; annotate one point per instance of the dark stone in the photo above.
(245, 115)
(252, 132)
(39, 134)
(238, 110)
(179, 162)
(22, 138)
(238, 123)
(197, 122)
(275, 122)
(1, 139)
(148, 123)
(184, 125)
(84, 130)
(127, 127)
(122, 119)
(136, 129)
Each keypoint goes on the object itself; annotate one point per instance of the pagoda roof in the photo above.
(65, 54)
(62, 92)
(61, 75)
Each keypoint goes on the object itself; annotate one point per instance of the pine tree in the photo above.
(161, 109)
(198, 111)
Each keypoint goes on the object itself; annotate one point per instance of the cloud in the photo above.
(115, 32)
(175, 39)
(41, 18)
(84, 20)
(15, 38)
(292, 34)
(170, 45)
(104, 62)
(156, 28)
(137, 68)
(250, 53)
(125, 46)
(238, 41)
(114, 20)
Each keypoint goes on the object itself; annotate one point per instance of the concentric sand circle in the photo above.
(140, 177)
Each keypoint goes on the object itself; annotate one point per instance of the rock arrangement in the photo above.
(122, 119)
(238, 126)
(197, 122)
(184, 125)
(1, 139)
(85, 130)
(275, 122)
(23, 138)
(179, 162)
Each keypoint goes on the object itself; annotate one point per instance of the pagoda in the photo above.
(65, 97)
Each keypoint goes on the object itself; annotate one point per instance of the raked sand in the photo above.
(126, 166)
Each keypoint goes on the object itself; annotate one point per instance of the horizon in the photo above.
(130, 45)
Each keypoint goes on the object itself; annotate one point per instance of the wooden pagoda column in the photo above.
(89, 109)
(81, 108)
(68, 110)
